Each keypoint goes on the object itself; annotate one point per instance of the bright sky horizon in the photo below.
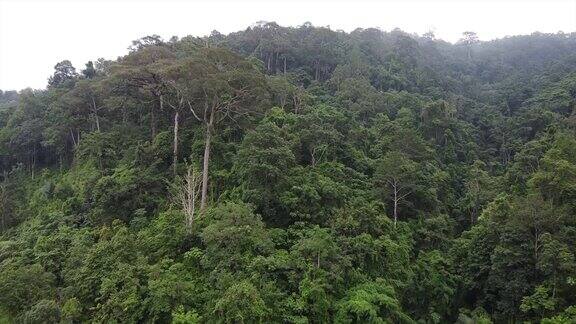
(35, 35)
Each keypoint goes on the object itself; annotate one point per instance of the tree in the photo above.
(6, 205)
(241, 303)
(261, 165)
(89, 72)
(556, 175)
(64, 73)
(187, 191)
(25, 128)
(437, 117)
(469, 39)
(22, 286)
(88, 95)
(396, 176)
(537, 217)
(318, 138)
(217, 86)
(371, 302)
(480, 189)
(150, 40)
(540, 302)
(235, 236)
(567, 316)
(432, 287)
(141, 71)
(429, 35)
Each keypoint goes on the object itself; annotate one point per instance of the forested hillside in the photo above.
(295, 175)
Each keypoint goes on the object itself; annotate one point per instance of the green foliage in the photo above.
(71, 310)
(240, 303)
(373, 302)
(567, 316)
(540, 302)
(432, 287)
(22, 286)
(185, 317)
(233, 237)
(363, 177)
(125, 193)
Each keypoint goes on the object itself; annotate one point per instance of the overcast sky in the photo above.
(35, 35)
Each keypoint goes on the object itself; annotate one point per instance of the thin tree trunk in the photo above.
(124, 115)
(175, 154)
(97, 122)
(296, 100)
(192, 190)
(96, 114)
(73, 138)
(206, 162)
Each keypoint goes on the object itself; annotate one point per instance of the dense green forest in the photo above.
(295, 175)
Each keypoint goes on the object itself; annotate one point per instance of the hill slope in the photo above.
(283, 174)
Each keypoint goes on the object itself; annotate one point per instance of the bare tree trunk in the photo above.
(296, 100)
(95, 110)
(206, 162)
(187, 195)
(124, 115)
(97, 122)
(175, 154)
(191, 187)
(73, 138)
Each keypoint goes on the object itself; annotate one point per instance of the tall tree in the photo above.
(396, 174)
(217, 85)
(140, 70)
(187, 192)
(469, 39)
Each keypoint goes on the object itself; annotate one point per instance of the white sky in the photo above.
(35, 35)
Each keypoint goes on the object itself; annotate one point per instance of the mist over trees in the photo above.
(295, 175)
